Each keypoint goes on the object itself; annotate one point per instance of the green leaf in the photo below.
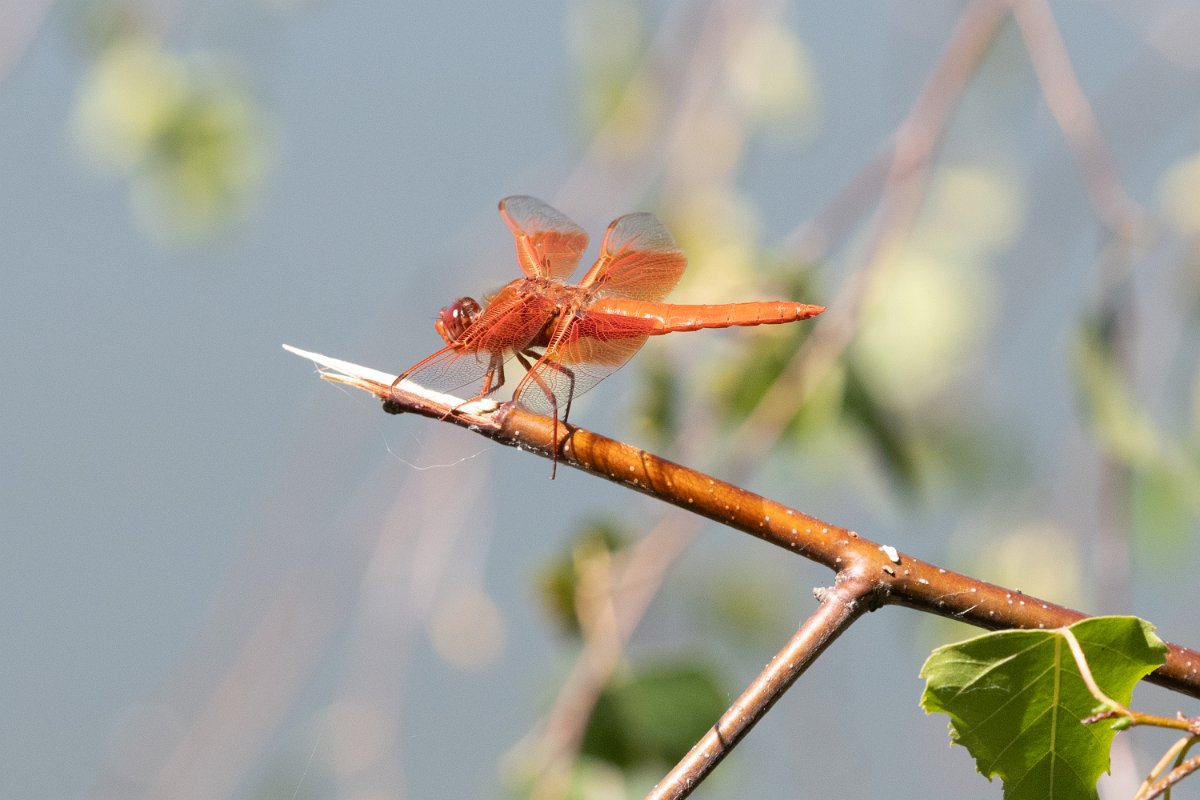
(654, 716)
(1015, 700)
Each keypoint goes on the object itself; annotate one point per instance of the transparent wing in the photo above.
(452, 368)
(588, 349)
(549, 244)
(507, 325)
(638, 260)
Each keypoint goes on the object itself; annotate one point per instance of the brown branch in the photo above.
(1164, 785)
(896, 578)
(840, 606)
(868, 574)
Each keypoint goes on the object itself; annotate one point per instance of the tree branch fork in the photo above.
(868, 575)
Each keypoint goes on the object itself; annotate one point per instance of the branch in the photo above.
(621, 588)
(1076, 119)
(840, 607)
(894, 577)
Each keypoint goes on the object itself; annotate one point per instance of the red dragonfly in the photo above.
(569, 337)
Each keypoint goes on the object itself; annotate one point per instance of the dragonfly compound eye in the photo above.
(453, 320)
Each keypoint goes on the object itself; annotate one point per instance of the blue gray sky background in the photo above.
(223, 577)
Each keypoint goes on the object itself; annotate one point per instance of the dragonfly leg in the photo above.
(570, 391)
(570, 375)
(401, 377)
(523, 358)
(495, 371)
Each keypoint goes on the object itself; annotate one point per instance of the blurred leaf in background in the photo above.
(653, 715)
(770, 68)
(607, 40)
(657, 409)
(741, 606)
(883, 427)
(558, 581)
(1165, 488)
(190, 140)
(1179, 196)
(931, 301)
(757, 361)
(1039, 556)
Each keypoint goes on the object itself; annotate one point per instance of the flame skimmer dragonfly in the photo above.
(569, 337)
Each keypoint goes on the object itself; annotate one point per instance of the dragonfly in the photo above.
(570, 336)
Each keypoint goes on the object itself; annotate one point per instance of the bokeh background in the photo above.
(222, 577)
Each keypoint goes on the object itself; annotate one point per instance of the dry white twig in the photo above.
(379, 383)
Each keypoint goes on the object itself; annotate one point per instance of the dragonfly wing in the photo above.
(507, 325)
(638, 260)
(591, 347)
(549, 244)
(452, 368)
(511, 320)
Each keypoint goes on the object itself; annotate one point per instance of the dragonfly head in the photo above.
(453, 320)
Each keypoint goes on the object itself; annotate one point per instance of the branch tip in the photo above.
(380, 384)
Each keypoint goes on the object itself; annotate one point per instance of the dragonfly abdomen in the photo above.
(671, 317)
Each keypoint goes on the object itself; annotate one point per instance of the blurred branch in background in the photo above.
(21, 23)
(609, 593)
(1076, 119)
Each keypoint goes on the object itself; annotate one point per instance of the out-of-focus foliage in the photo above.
(719, 232)
(1179, 195)
(1124, 430)
(591, 779)
(1039, 556)
(607, 39)
(653, 716)
(1164, 466)
(743, 605)
(920, 325)
(467, 629)
(883, 426)
(770, 69)
(930, 302)
(184, 133)
(558, 582)
(742, 382)
(658, 408)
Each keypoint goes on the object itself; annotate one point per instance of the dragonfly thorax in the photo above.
(455, 318)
